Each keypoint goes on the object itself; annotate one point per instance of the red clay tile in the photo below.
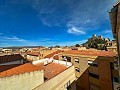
(28, 67)
(90, 52)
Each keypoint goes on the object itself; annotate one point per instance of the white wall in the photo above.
(32, 57)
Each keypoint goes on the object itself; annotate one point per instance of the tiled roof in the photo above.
(56, 57)
(90, 52)
(50, 70)
(28, 67)
(53, 69)
(33, 53)
(7, 67)
(10, 58)
(52, 54)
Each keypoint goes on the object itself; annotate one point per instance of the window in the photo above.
(77, 60)
(67, 86)
(66, 58)
(94, 75)
(116, 79)
(77, 69)
(111, 65)
(92, 63)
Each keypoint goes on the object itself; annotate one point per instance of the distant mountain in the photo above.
(18, 47)
(97, 42)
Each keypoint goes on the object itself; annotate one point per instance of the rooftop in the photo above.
(53, 69)
(28, 67)
(33, 53)
(7, 67)
(10, 58)
(90, 52)
(52, 54)
(50, 66)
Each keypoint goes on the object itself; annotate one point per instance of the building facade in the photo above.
(114, 14)
(93, 72)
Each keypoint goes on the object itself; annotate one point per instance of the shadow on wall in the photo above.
(98, 75)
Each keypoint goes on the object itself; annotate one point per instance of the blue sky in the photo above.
(53, 22)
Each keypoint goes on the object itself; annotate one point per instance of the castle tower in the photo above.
(94, 35)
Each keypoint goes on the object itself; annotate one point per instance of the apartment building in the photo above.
(114, 14)
(94, 69)
(44, 74)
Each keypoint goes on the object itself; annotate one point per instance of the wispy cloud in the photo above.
(73, 13)
(75, 17)
(107, 31)
(11, 38)
(14, 38)
(76, 31)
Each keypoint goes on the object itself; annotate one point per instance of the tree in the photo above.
(57, 46)
(77, 45)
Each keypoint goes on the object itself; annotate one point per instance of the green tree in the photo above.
(77, 45)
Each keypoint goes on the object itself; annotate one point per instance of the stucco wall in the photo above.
(32, 57)
(43, 53)
(58, 82)
(26, 81)
(104, 75)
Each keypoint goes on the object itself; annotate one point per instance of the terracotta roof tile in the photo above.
(52, 54)
(10, 58)
(53, 69)
(28, 67)
(90, 52)
(33, 53)
(6, 67)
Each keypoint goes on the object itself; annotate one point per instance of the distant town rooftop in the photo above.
(52, 54)
(33, 53)
(10, 58)
(90, 52)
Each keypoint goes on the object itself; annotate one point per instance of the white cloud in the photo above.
(76, 31)
(107, 31)
(71, 12)
(14, 38)
(11, 39)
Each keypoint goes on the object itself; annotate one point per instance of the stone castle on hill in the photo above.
(94, 37)
(97, 42)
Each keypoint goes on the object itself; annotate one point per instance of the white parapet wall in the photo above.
(26, 81)
(49, 60)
